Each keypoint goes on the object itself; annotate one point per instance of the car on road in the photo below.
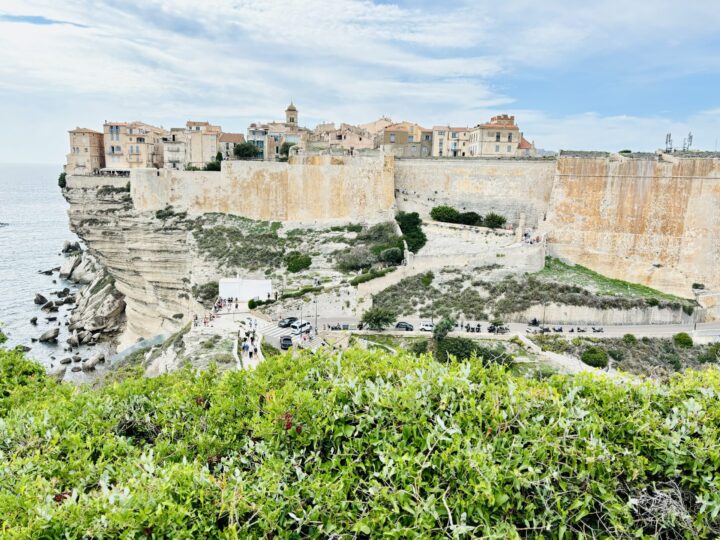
(427, 327)
(500, 329)
(300, 327)
(286, 342)
(402, 325)
(286, 322)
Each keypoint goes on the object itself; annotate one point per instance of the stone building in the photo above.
(193, 146)
(500, 137)
(227, 144)
(87, 152)
(450, 141)
(347, 137)
(407, 139)
(133, 145)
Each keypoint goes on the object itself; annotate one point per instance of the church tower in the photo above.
(291, 115)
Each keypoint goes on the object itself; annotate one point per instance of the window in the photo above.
(497, 136)
(427, 137)
(509, 148)
(497, 148)
(411, 138)
(509, 137)
(392, 137)
(454, 135)
(441, 133)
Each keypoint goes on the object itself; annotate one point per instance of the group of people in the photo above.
(206, 320)
(249, 341)
(222, 303)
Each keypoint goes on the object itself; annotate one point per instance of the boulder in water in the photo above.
(66, 360)
(76, 369)
(40, 299)
(50, 335)
(33, 321)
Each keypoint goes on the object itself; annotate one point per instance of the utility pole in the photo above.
(316, 316)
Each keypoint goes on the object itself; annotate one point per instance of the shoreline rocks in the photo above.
(50, 335)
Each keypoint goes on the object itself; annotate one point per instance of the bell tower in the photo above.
(291, 114)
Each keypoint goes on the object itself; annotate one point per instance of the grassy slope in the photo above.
(362, 443)
(581, 276)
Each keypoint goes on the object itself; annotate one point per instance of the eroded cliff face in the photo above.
(649, 221)
(148, 258)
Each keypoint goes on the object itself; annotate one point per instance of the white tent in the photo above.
(245, 289)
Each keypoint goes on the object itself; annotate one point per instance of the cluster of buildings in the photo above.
(122, 146)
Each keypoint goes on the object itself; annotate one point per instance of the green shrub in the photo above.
(427, 279)
(470, 218)
(411, 227)
(212, 166)
(419, 346)
(359, 444)
(391, 256)
(443, 328)
(463, 349)
(252, 303)
(445, 213)
(3, 337)
(246, 150)
(494, 221)
(616, 354)
(683, 340)
(595, 357)
(297, 261)
(378, 318)
(62, 182)
(711, 356)
(698, 286)
(169, 212)
(629, 339)
(207, 292)
(368, 276)
(300, 292)
(355, 259)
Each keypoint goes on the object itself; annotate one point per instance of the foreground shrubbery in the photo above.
(358, 445)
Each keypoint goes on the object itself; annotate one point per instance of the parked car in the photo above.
(286, 322)
(499, 329)
(402, 325)
(300, 327)
(427, 327)
(286, 342)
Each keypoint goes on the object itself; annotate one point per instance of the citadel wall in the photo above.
(306, 189)
(649, 221)
(507, 187)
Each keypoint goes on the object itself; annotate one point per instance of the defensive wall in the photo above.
(647, 219)
(306, 189)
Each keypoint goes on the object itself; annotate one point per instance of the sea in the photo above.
(34, 225)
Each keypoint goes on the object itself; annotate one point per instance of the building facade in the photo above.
(450, 141)
(87, 152)
(501, 137)
(227, 142)
(133, 145)
(269, 137)
(407, 139)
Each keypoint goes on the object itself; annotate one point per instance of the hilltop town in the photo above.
(123, 146)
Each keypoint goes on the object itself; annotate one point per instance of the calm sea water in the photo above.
(34, 226)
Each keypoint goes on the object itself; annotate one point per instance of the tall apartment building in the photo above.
(450, 141)
(407, 139)
(500, 137)
(133, 145)
(87, 152)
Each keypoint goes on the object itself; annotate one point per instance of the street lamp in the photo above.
(316, 315)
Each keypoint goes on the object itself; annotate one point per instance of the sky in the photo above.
(596, 75)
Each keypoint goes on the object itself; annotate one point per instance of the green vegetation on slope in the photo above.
(578, 275)
(357, 445)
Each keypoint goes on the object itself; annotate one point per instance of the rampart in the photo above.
(315, 188)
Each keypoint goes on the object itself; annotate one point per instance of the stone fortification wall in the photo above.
(652, 221)
(307, 189)
(508, 187)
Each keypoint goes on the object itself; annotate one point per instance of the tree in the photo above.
(392, 256)
(246, 150)
(443, 328)
(470, 218)
(285, 148)
(61, 180)
(212, 166)
(218, 156)
(494, 221)
(378, 318)
(411, 227)
(445, 213)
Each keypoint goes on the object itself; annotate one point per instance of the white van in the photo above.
(300, 327)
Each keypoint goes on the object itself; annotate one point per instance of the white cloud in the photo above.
(233, 61)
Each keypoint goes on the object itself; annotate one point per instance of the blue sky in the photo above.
(606, 74)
